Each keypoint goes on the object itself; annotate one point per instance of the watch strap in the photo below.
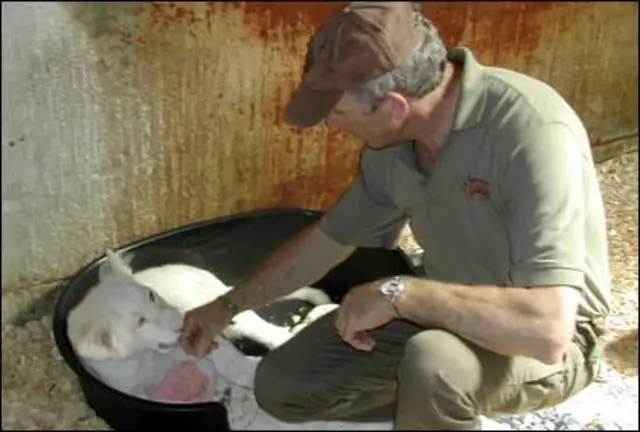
(391, 289)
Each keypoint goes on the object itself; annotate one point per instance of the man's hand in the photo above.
(202, 325)
(364, 308)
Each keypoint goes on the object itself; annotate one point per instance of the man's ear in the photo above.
(395, 107)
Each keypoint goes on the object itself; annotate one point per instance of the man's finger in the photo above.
(365, 340)
(360, 341)
(342, 326)
(204, 343)
(355, 343)
(185, 341)
(345, 330)
(201, 347)
(338, 321)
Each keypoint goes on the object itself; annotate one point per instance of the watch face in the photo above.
(389, 288)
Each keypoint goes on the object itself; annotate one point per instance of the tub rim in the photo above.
(64, 347)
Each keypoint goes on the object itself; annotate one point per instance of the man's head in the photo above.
(364, 69)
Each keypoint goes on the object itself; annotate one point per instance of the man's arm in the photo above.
(532, 322)
(362, 217)
(304, 259)
(544, 216)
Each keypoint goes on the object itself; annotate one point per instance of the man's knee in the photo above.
(281, 392)
(437, 358)
(272, 390)
(438, 377)
(291, 384)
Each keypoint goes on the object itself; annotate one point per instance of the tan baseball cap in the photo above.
(362, 41)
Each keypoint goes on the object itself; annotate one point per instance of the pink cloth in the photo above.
(183, 383)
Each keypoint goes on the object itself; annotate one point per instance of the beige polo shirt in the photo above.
(512, 199)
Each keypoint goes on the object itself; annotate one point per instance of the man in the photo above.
(494, 172)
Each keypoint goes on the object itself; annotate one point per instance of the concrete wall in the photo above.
(122, 120)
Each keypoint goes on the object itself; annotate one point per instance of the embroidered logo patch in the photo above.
(476, 189)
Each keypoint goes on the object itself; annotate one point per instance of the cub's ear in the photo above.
(115, 265)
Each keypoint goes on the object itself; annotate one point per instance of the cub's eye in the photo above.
(141, 321)
(152, 297)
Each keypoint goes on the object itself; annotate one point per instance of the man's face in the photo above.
(380, 128)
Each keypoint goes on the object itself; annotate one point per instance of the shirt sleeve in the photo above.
(364, 216)
(545, 213)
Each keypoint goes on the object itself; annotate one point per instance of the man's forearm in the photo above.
(304, 259)
(533, 322)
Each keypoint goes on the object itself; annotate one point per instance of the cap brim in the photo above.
(309, 107)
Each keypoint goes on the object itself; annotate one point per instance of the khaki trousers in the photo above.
(427, 379)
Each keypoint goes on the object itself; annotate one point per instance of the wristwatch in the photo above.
(391, 290)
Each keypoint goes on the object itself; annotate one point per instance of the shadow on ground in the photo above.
(622, 353)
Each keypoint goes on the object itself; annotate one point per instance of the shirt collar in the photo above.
(470, 105)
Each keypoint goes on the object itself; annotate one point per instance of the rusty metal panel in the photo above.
(170, 113)
(214, 78)
(588, 51)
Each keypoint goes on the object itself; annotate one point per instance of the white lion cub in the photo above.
(127, 313)
(120, 317)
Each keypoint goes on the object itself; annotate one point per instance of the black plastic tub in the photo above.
(230, 247)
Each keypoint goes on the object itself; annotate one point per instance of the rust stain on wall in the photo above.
(493, 27)
(197, 92)
(289, 14)
(211, 88)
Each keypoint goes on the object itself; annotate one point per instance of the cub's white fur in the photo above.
(127, 313)
(120, 317)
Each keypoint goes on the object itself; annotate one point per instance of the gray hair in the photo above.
(421, 74)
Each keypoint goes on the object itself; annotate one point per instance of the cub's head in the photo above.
(120, 317)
